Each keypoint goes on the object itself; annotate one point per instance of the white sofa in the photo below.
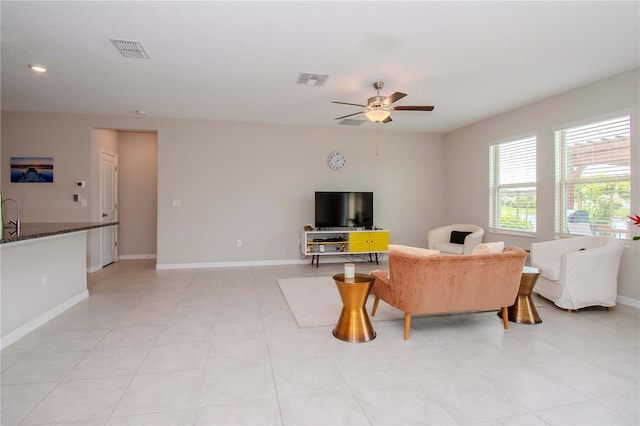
(578, 272)
(440, 238)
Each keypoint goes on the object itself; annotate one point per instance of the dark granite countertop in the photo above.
(30, 231)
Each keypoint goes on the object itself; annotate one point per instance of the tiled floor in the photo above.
(220, 346)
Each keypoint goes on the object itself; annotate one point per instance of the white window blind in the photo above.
(593, 178)
(512, 186)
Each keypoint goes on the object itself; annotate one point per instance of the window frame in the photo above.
(495, 186)
(562, 181)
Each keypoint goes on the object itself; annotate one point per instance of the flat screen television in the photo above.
(344, 209)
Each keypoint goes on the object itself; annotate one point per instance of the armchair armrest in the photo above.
(472, 240)
(550, 250)
(592, 274)
(438, 235)
(591, 265)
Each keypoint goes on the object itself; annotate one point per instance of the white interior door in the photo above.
(108, 207)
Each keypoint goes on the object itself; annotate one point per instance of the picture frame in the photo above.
(31, 169)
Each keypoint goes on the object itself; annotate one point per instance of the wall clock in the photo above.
(336, 160)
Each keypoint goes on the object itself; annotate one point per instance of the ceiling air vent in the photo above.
(351, 122)
(130, 49)
(310, 79)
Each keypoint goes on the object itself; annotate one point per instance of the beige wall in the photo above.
(137, 194)
(68, 144)
(244, 181)
(467, 159)
(256, 183)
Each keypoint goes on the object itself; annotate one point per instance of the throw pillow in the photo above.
(489, 248)
(457, 237)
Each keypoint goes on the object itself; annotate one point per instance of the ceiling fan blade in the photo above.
(413, 108)
(387, 120)
(394, 97)
(350, 115)
(347, 103)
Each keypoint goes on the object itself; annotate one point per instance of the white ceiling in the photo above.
(239, 61)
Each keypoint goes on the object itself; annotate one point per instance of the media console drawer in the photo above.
(368, 241)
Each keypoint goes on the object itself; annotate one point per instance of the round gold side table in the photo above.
(523, 311)
(354, 324)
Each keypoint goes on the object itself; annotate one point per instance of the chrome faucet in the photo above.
(15, 222)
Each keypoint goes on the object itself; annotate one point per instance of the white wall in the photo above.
(243, 181)
(41, 278)
(467, 160)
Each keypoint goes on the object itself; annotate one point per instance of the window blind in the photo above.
(512, 183)
(593, 177)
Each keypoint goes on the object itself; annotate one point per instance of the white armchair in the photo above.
(578, 272)
(443, 240)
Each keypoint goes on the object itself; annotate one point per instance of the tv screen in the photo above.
(344, 209)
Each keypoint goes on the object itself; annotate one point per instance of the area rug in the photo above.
(315, 302)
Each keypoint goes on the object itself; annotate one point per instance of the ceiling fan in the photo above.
(378, 108)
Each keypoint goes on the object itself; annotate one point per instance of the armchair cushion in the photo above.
(457, 237)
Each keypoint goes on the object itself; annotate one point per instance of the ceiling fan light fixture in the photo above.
(377, 115)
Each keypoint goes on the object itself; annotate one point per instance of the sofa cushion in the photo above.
(412, 250)
(550, 269)
(489, 248)
(449, 248)
(457, 237)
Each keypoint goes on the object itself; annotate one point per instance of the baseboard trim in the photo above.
(623, 300)
(249, 263)
(40, 320)
(92, 269)
(230, 264)
(136, 256)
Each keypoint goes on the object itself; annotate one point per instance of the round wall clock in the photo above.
(336, 160)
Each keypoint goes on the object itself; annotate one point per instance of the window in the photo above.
(593, 179)
(512, 186)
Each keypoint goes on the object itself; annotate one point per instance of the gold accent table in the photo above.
(354, 324)
(523, 311)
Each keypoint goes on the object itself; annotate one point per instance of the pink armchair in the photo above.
(420, 281)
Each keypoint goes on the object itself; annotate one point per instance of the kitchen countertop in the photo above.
(30, 231)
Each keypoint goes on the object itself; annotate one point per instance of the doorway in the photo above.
(125, 176)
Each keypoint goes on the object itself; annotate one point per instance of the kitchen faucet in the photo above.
(15, 222)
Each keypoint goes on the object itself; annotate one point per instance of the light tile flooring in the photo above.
(220, 346)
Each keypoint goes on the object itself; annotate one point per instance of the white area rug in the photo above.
(316, 302)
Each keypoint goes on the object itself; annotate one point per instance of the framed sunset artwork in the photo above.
(32, 169)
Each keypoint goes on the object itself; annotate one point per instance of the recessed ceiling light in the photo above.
(37, 68)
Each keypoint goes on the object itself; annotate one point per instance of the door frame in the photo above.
(115, 197)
